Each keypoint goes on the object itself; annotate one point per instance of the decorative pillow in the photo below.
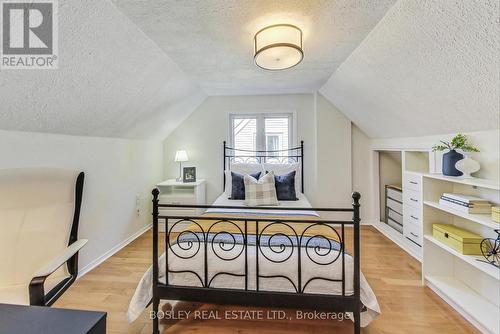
(285, 187)
(242, 168)
(282, 169)
(238, 186)
(260, 192)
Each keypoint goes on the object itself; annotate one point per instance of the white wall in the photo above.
(362, 167)
(116, 170)
(333, 148)
(203, 132)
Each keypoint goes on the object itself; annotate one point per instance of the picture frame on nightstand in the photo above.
(189, 174)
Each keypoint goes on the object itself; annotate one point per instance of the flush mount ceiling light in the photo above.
(278, 47)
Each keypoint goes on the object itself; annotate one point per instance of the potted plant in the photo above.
(450, 158)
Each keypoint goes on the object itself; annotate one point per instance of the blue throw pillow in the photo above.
(285, 187)
(238, 186)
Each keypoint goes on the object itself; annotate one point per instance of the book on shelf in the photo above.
(467, 199)
(467, 205)
(484, 207)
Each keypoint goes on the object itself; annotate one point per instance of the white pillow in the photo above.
(282, 169)
(242, 168)
(260, 192)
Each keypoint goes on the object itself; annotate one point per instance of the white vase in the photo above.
(467, 166)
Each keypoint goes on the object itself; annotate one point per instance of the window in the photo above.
(272, 143)
(269, 132)
(245, 133)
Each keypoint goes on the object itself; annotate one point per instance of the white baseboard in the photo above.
(399, 240)
(112, 251)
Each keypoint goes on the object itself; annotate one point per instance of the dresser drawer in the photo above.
(395, 225)
(397, 217)
(412, 181)
(412, 215)
(395, 194)
(412, 232)
(177, 200)
(412, 198)
(395, 206)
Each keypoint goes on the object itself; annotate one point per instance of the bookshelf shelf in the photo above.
(469, 285)
(478, 309)
(483, 219)
(470, 259)
(474, 182)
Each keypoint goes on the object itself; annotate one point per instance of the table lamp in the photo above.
(180, 157)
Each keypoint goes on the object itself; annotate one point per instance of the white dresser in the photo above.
(412, 207)
(179, 193)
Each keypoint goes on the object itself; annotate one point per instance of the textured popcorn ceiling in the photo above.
(408, 69)
(212, 40)
(428, 67)
(112, 81)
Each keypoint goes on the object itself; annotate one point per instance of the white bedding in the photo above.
(143, 293)
(303, 202)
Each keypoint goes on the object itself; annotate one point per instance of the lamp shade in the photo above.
(181, 156)
(278, 47)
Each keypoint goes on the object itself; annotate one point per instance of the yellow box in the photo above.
(495, 214)
(463, 241)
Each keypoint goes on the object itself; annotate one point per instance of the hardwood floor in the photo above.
(407, 307)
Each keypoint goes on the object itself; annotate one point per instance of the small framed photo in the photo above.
(189, 174)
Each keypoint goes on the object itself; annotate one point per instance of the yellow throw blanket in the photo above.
(267, 226)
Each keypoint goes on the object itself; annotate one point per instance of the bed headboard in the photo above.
(291, 155)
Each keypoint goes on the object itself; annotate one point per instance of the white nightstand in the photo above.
(189, 193)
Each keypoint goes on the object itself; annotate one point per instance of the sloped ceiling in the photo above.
(212, 40)
(112, 81)
(428, 67)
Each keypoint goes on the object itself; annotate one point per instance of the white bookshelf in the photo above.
(475, 182)
(473, 260)
(483, 219)
(470, 286)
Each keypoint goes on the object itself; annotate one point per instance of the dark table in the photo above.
(17, 319)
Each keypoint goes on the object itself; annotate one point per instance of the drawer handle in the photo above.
(415, 235)
(412, 216)
(413, 182)
(414, 200)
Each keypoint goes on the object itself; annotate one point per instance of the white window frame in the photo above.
(261, 116)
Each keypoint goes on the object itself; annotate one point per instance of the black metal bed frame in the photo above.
(205, 240)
